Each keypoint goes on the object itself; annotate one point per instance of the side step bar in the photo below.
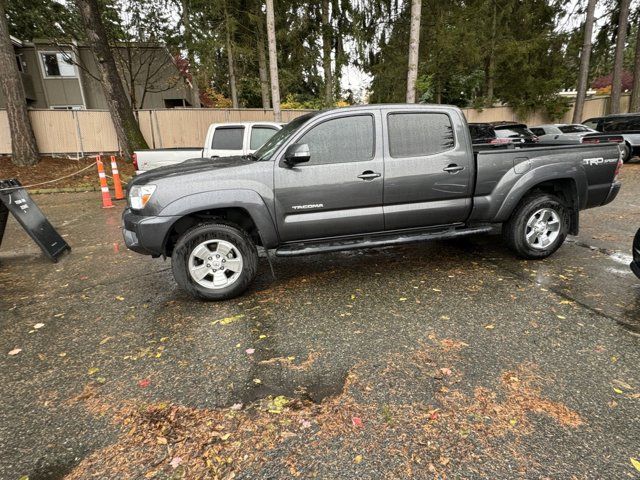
(296, 249)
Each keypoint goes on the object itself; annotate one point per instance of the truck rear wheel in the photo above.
(214, 261)
(538, 226)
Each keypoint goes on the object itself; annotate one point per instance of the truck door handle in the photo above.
(453, 168)
(369, 175)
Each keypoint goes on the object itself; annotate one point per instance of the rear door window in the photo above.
(227, 138)
(538, 131)
(513, 132)
(259, 136)
(419, 134)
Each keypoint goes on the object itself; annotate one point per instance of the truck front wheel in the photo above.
(538, 226)
(214, 261)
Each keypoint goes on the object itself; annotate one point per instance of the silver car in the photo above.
(561, 133)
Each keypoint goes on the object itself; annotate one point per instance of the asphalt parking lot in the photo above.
(437, 360)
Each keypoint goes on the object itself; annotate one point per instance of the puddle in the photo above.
(315, 391)
(52, 471)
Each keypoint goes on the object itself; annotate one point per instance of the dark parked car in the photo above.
(635, 265)
(627, 125)
(502, 133)
(365, 176)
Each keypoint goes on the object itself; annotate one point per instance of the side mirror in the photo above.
(297, 153)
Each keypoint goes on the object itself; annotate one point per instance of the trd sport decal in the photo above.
(599, 161)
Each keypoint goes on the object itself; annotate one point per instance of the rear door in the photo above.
(339, 191)
(428, 169)
(227, 141)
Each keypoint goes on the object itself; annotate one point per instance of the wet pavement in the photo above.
(460, 360)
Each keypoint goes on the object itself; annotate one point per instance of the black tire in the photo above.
(626, 152)
(515, 230)
(214, 231)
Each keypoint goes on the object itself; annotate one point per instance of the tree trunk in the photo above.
(327, 40)
(273, 62)
(491, 61)
(188, 43)
(616, 82)
(262, 66)
(230, 59)
(23, 141)
(414, 47)
(635, 92)
(127, 128)
(585, 55)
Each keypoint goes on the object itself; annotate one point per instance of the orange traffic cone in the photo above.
(116, 179)
(106, 198)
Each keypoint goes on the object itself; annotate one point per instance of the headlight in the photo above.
(139, 195)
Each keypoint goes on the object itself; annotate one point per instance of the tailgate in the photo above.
(150, 159)
(601, 165)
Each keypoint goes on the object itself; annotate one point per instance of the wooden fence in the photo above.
(80, 132)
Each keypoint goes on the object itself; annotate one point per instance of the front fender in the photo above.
(248, 200)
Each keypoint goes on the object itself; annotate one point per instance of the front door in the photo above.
(428, 170)
(339, 191)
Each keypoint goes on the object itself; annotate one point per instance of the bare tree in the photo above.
(273, 62)
(127, 129)
(23, 141)
(635, 91)
(230, 58)
(263, 69)
(327, 41)
(490, 63)
(585, 56)
(414, 47)
(616, 81)
(188, 43)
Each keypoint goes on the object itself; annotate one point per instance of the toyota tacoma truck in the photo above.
(364, 176)
(222, 140)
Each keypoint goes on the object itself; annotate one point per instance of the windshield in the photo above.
(268, 149)
(574, 129)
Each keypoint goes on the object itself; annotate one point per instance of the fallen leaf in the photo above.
(357, 421)
(617, 390)
(262, 336)
(228, 320)
(561, 317)
(403, 299)
(357, 459)
(436, 289)
(144, 383)
(491, 326)
(250, 351)
(236, 406)
(635, 463)
(38, 325)
(445, 371)
(161, 440)
(15, 351)
(105, 340)
(175, 461)
(93, 370)
(62, 354)
(257, 381)
(225, 437)
(119, 298)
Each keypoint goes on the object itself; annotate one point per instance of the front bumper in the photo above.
(635, 264)
(146, 234)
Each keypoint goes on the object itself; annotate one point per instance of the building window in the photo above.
(58, 64)
(22, 67)
(67, 107)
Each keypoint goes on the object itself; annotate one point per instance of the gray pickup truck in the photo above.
(356, 177)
